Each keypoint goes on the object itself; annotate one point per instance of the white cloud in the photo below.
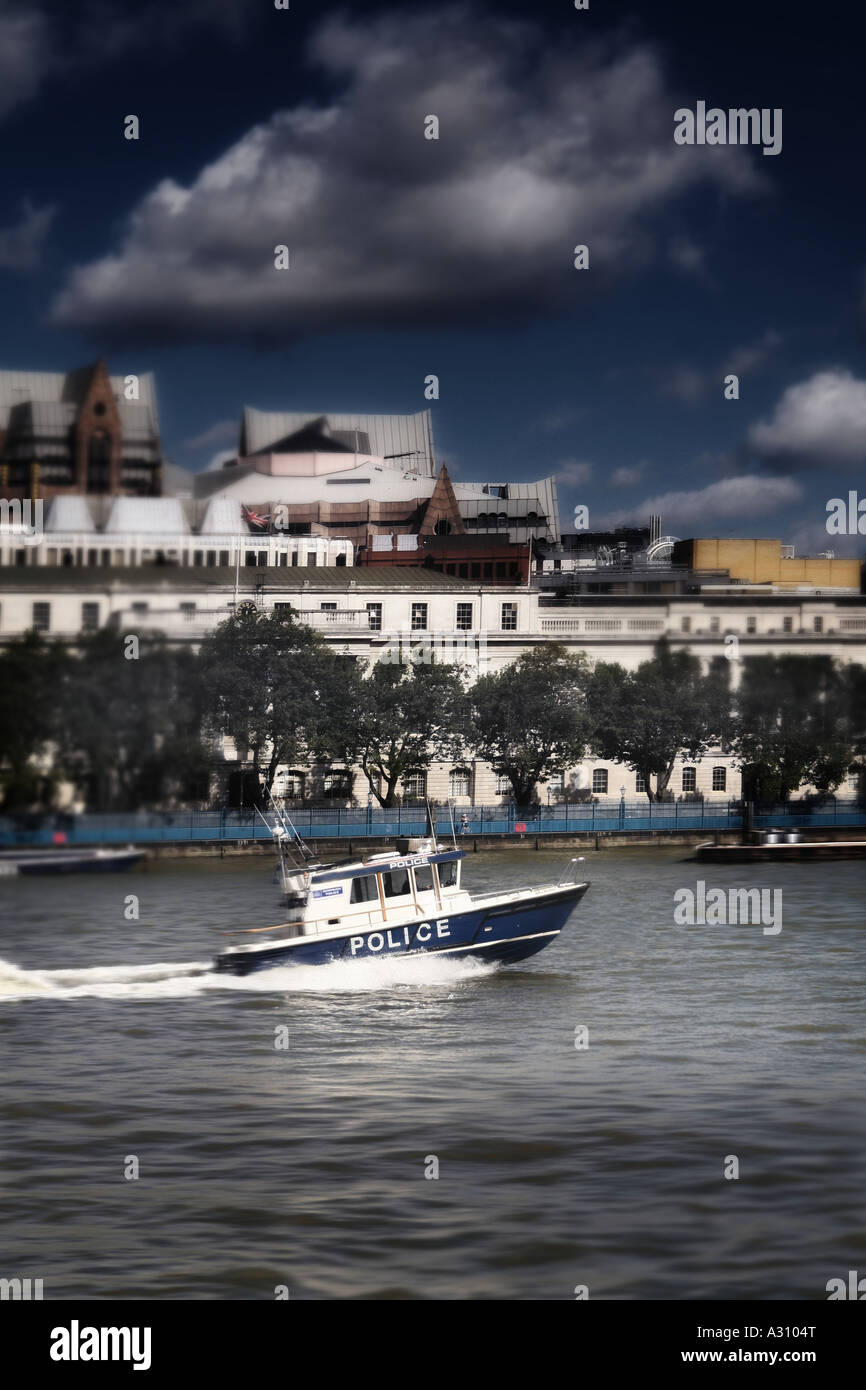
(573, 473)
(818, 422)
(558, 419)
(221, 429)
(685, 383)
(753, 356)
(687, 256)
(812, 538)
(21, 243)
(690, 384)
(627, 476)
(540, 148)
(742, 498)
(222, 456)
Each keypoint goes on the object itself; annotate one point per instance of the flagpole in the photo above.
(238, 555)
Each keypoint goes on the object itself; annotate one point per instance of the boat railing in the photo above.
(511, 894)
(569, 873)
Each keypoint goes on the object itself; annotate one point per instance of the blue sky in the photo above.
(454, 257)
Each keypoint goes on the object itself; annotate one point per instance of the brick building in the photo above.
(81, 432)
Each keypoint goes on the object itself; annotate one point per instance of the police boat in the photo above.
(406, 902)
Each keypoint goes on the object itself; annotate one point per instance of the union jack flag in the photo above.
(258, 521)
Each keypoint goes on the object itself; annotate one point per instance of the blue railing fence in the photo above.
(351, 823)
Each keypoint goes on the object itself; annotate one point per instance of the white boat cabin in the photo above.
(385, 889)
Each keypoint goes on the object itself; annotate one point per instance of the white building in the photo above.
(386, 613)
(116, 532)
(359, 476)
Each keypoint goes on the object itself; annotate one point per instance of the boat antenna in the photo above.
(453, 826)
(289, 829)
(431, 824)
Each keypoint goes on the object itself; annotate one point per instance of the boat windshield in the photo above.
(396, 883)
(424, 878)
(364, 889)
(448, 874)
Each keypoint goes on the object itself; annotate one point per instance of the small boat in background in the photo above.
(68, 861)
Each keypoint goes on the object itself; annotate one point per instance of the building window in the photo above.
(374, 616)
(464, 617)
(415, 785)
(42, 617)
(720, 779)
(685, 624)
(640, 783)
(293, 786)
(338, 785)
(690, 779)
(89, 617)
(419, 617)
(509, 617)
(459, 781)
(599, 781)
(331, 610)
(188, 611)
(714, 624)
(817, 624)
(787, 624)
(139, 608)
(503, 784)
(311, 558)
(751, 625)
(224, 557)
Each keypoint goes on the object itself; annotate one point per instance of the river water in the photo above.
(303, 1166)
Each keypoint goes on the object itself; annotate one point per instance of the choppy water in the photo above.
(557, 1167)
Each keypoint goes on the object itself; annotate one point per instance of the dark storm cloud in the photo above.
(542, 146)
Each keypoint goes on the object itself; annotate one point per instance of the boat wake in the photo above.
(168, 980)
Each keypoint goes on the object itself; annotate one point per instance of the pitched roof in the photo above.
(442, 507)
(67, 389)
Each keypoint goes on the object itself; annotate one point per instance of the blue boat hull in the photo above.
(505, 933)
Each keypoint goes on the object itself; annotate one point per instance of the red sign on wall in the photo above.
(519, 826)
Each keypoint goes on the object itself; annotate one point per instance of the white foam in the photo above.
(166, 980)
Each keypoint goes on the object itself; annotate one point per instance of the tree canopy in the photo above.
(531, 719)
(648, 717)
(277, 689)
(406, 716)
(795, 723)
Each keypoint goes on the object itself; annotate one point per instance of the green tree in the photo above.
(277, 689)
(130, 729)
(530, 719)
(648, 717)
(793, 724)
(406, 716)
(854, 684)
(31, 672)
